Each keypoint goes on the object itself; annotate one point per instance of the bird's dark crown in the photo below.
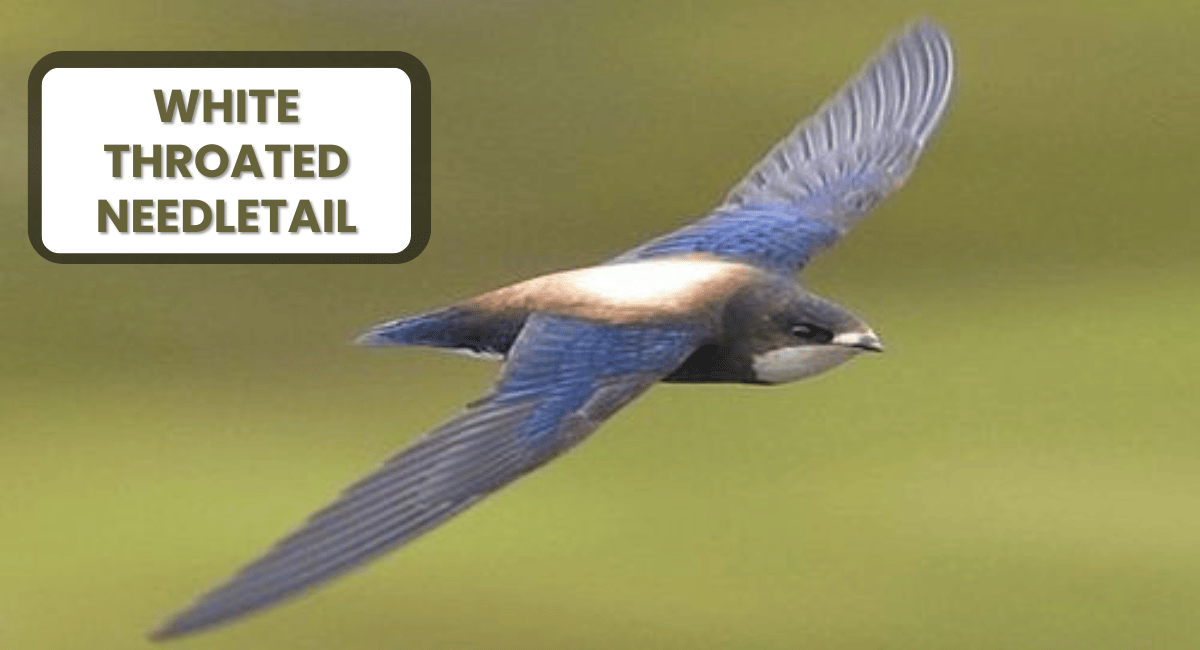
(766, 317)
(771, 316)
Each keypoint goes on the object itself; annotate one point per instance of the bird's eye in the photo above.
(810, 332)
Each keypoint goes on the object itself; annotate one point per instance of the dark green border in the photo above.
(421, 151)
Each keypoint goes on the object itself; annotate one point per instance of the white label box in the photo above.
(229, 157)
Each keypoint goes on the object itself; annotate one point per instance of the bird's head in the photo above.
(789, 334)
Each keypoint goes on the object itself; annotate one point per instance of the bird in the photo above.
(716, 301)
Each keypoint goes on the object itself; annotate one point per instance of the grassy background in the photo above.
(1020, 470)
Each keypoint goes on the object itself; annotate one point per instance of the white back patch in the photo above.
(789, 364)
(627, 292)
(647, 283)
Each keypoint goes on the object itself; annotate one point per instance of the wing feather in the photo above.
(871, 131)
(564, 377)
(819, 181)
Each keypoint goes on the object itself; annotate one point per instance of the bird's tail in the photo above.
(458, 329)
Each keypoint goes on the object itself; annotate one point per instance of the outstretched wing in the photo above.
(834, 167)
(563, 379)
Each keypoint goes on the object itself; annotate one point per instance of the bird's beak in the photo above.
(860, 340)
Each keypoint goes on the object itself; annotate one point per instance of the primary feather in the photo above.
(564, 378)
(864, 141)
(834, 167)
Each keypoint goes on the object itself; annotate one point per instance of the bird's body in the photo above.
(715, 301)
(657, 290)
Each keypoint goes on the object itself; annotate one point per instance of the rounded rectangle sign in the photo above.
(229, 157)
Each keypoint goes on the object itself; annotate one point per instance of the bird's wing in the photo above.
(564, 377)
(834, 167)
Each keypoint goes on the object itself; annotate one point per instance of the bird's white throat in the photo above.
(800, 362)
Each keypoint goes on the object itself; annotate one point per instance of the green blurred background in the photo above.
(1020, 470)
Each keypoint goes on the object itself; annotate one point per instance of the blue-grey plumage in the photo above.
(715, 301)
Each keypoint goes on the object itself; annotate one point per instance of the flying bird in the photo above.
(715, 301)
